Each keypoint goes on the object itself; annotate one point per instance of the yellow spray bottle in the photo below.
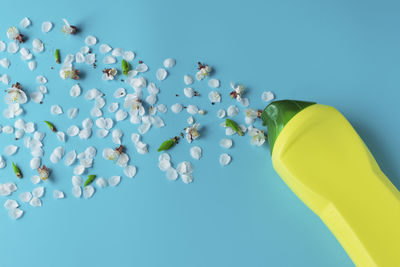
(326, 164)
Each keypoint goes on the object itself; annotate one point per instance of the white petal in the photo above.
(88, 191)
(224, 159)
(162, 108)
(5, 63)
(184, 167)
(61, 136)
(109, 60)
(25, 197)
(96, 112)
(77, 181)
(245, 101)
(2, 46)
(57, 194)
(11, 204)
(142, 67)
(47, 26)
(169, 63)
(90, 58)
(113, 107)
(171, 174)
(90, 152)
(188, 79)
(36, 97)
(128, 55)
(101, 182)
(267, 96)
(144, 128)
(35, 179)
(76, 191)
(164, 156)
(80, 57)
(72, 113)
(221, 113)
(85, 133)
(130, 171)
(29, 127)
(164, 165)
(99, 102)
(73, 130)
(161, 74)
(121, 115)
(196, 152)
(188, 92)
(176, 108)
(25, 22)
(90, 40)
(38, 192)
(75, 90)
(56, 110)
(15, 213)
(226, 143)
(120, 92)
(232, 111)
(2, 162)
(12, 47)
(117, 52)
(104, 48)
(114, 180)
(213, 83)
(187, 178)
(192, 109)
(87, 123)
(101, 133)
(70, 158)
(32, 65)
(35, 163)
(10, 150)
(79, 169)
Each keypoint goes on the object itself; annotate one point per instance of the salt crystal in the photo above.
(57, 194)
(47, 26)
(226, 143)
(224, 159)
(267, 96)
(213, 83)
(76, 191)
(88, 191)
(171, 174)
(56, 110)
(90, 40)
(169, 63)
(101, 182)
(130, 171)
(25, 197)
(114, 180)
(75, 90)
(161, 74)
(35, 163)
(195, 152)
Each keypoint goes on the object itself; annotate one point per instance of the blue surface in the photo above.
(341, 53)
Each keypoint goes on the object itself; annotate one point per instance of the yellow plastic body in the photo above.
(323, 160)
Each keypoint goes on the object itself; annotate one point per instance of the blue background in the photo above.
(341, 53)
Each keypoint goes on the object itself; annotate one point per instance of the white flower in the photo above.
(238, 91)
(113, 154)
(44, 172)
(134, 104)
(15, 94)
(258, 136)
(204, 71)
(67, 28)
(109, 74)
(192, 132)
(251, 115)
(13, 34)
(69, 72)
(12, 111)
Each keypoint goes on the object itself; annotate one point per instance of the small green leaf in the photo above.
(125, 67)
(16, 170)
(89, 180)
(51, 126)
(167, 144)
(234, 126)
(57, 56)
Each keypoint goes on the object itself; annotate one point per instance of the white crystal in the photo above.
(15, 213)
(35, 202)
(11, 204)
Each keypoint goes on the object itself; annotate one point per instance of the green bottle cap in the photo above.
(277, 114)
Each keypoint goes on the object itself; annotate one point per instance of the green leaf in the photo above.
(277, 114)
(51, 126)
(89, 180)
(16, 170)
(234, 126)
(167, 144)
(57, 56)
(125, 67)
